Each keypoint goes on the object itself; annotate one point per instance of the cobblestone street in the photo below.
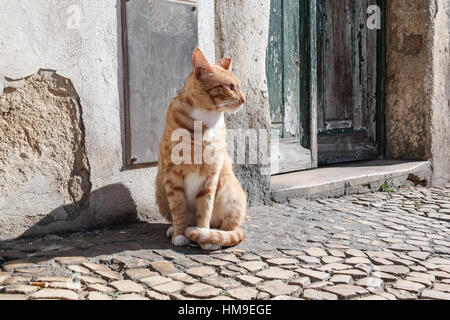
(373, 246)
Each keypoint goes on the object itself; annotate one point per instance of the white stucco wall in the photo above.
(81, 40)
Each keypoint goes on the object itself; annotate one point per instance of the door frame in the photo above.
(309, 80)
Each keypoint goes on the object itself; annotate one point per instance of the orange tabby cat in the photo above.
(198, 195)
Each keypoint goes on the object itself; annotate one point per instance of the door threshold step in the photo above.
(349, 178)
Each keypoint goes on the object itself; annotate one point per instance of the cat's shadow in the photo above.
(127, 235)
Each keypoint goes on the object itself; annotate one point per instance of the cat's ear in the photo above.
(200, 64)
(225, 63)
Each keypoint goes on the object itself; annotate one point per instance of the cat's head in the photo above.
(218, 83)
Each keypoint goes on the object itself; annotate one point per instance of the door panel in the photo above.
(288, 93)
(159, 38)
(347, 55)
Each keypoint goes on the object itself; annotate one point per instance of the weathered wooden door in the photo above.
(324, 71)
(286, 73)
(347, 82)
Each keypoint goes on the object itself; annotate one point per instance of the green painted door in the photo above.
(288, 102)
(325, 71)
(348, 65)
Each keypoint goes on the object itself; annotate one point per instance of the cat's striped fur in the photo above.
(205, 202)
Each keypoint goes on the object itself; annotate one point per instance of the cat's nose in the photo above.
(242, 100)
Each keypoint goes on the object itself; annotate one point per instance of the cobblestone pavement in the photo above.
(374, 246)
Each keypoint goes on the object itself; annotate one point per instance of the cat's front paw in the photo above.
(169, 232)
(180, 240)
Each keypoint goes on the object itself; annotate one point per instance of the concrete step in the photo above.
(349, 178)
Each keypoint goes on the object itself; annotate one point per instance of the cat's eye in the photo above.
(232, 87)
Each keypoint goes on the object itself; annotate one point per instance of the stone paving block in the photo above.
(155, 280)
(357, 260)
(315, 275)
(274, 273)
(4, 276)
(440, 275)
(109, 274)
(331, 259)
(442, 287)
(316, 252)
(99, 287)
(201, 272)
(281, 261)
(278, 288)
(19, 263)
(249, 280)
(75, 286)
(409, 286)
(221, 282)
(253, 266)
(12, 297)
(86, 280)
(19, 289)
(401, 294)
(355, 253)
(393, 269)
(436, 295)
(293, 252)
(373, 298)
(94, 267)
(302, 282)
(131, 296)
(243, 293)
(312, 294)
(153, 295)
(221, 298)
(137, 274)
(336, 253)
(320, 284)
(183, 277)
(200, 290)
(346, 291)
(341, 279)
(71, 260)
(308, 260)
(164, 267)
(427, 283)
(439, 261)
(228, 257)
(95, 295)
(58, 294)
(127, 286)
(169, 287)
(78, 269)
(370, 282)
(335, 267)
(262, 296)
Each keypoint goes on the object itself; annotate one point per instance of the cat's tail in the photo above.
(207, 237)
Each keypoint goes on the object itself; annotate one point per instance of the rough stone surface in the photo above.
(312, 294)
(50, 163)
(242, 29)
(243, 293)
(417, 100)
(200, 290)
(59, 294)
(127, 286)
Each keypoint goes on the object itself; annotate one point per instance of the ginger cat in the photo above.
(203, 200)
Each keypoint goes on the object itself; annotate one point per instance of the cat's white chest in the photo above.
(193, 184)
(213, 121)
